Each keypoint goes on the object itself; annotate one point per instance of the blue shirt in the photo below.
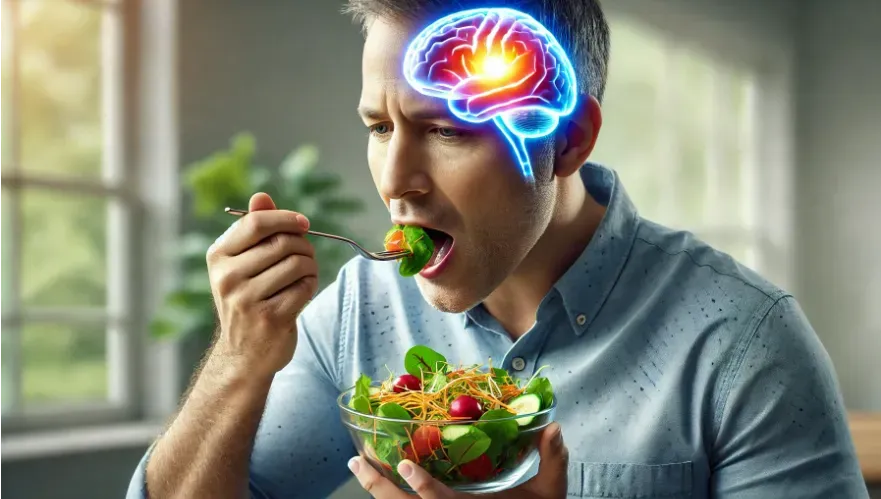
(678, 372)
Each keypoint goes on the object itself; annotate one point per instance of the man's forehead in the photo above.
(383, 76)
(384, 49)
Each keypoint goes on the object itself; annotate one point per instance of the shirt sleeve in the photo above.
(783, 428)
(301, 447)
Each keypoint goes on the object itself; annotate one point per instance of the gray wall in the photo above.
(290, 72)
(247, 65)
(93, 475)
(838, 131)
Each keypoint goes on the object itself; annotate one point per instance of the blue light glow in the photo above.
(495, 64)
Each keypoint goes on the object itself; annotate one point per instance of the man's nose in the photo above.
(404, 172)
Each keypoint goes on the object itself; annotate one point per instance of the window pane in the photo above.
(63, 261)
(60, 95)
(9, 241)
(63, 363)
(9, 349)
(6, 89)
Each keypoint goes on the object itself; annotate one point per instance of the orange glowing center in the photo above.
(494, 66)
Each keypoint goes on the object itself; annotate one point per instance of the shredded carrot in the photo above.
(492, 393)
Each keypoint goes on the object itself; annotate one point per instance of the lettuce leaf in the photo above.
(419, 243)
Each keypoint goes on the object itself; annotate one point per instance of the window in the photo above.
(73, 217)
(683, 130)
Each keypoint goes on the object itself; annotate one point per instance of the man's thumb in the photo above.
(554, 460)
(261, 201)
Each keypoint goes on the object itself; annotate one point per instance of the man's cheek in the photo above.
(375, 162)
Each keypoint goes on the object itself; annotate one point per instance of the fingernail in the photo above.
(354, 465)
(304, 222)
(405, 469)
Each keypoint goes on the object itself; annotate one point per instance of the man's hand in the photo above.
(549, 483)
(262, 272)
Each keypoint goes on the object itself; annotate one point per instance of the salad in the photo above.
(464, 426)
(413, 239)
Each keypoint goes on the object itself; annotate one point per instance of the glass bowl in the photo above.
(476, 456)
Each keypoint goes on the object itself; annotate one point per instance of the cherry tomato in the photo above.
(478, 469)
(426, 440)
(407, 382)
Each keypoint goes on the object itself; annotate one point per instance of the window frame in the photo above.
(139, 181)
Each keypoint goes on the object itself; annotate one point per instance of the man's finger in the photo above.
(422, 483)
(270, 251)
(281, 275)
(258, 225)
(374, 483)
(261, 201)
(553, 468)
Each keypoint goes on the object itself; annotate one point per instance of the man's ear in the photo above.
(577, 136)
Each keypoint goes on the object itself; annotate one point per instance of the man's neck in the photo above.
(515, 302)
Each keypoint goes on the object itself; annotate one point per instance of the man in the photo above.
(678, 372)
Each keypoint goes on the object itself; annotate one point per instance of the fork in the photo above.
(382, 256)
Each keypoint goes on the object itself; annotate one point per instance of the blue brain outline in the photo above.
(527, 106)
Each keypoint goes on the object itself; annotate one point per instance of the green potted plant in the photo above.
(228, 178)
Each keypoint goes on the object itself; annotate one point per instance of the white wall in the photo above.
(838, 131)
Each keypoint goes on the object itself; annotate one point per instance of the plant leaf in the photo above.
(420, 358)
(361, 404)
(468, 447)
(393, 411)
(261, 179)
(221, 177)
(504, 431)
(362, 386)
(441, 467)
(438, 381)
(299, 163)
(387, 451)
(422, 247)
(500, 432)
(173, 321)
(542, 387)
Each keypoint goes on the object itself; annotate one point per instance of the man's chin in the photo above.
(449, 299)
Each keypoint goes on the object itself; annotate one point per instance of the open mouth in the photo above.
(443, 243)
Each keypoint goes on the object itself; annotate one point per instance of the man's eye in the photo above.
(380, 129)
(447, 132)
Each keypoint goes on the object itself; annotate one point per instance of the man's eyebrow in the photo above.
(426, 114)
(370, 113)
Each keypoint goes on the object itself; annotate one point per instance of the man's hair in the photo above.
(579, 26)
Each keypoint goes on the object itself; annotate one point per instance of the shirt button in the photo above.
(581, 319)
(518, 364)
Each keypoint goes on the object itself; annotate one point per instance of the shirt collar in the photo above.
(589, 281)
(585, 286)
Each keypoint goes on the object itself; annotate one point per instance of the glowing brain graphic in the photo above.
(495, 64)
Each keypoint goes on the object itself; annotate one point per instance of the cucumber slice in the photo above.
(526, 404)
(373, 390)
(454, 432)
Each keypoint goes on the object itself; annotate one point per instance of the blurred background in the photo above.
(128, 125)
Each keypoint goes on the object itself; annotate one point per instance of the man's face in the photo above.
(460, 179)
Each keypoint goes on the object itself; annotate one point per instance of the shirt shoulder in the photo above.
(687, 254)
